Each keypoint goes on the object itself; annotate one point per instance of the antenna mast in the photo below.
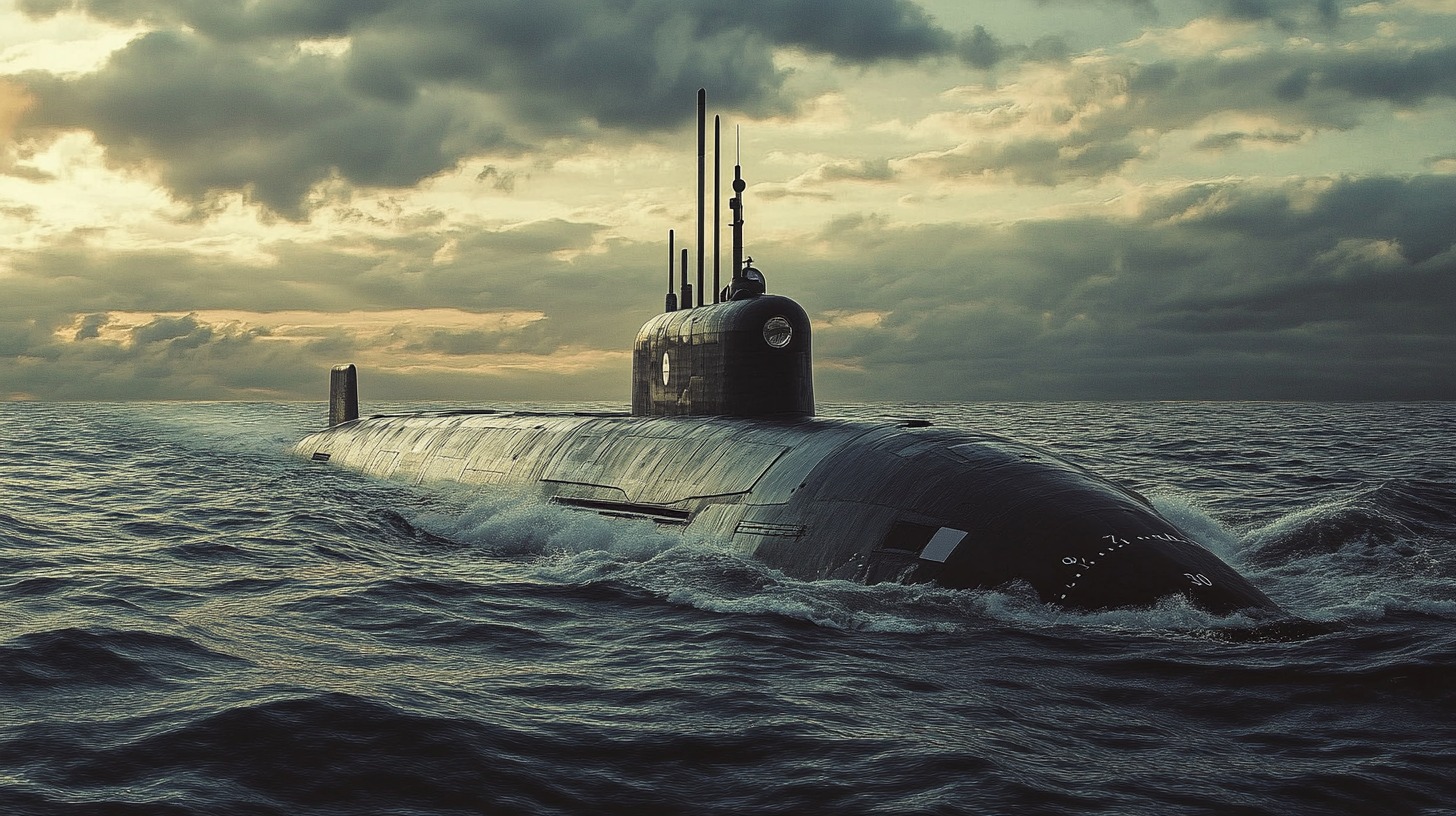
(702, 135)
(687, 288)
(717, 219)
(736, 205)
(671, 296)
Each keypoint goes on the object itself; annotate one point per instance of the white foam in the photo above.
(511, 522)
(1198, 525)
(580, 548)
(1335, 571)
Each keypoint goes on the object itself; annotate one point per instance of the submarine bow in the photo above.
(723, 443)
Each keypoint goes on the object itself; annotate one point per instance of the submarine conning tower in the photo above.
(745, 354)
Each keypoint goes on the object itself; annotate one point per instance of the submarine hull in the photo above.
(823, 498)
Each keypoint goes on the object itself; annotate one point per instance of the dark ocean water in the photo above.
(192, 622)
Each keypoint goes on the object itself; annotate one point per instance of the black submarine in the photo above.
(723, 443)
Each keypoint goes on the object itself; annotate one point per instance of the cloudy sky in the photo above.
(1008, 199)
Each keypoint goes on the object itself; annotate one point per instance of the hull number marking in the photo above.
(1080, 566)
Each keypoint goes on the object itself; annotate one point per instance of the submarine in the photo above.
(723, 443)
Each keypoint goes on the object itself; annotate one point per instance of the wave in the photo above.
(334, 753)
(75, 658)
(1395, 515)
(321, 753)
(1379, 550)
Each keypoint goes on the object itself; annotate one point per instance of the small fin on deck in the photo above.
(343, 394)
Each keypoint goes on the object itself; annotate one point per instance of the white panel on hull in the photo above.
(942, 544)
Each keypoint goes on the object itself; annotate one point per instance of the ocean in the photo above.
(194, 622)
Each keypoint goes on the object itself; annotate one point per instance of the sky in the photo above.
(470, 199)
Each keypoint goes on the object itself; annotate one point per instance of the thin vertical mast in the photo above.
(717, 219)
(671, 254)
(736, 204)
(686, 288)
(702, 136)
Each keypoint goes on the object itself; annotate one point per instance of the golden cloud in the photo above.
(301, 326)
(14, 102)
(398, 340)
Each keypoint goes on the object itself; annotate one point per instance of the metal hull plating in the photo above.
(823, 498)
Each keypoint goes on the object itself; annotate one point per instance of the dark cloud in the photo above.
(1315, 86)
(23, 213)
(177, 332)
(627, 63)
(852, 30)
(811, 184)
(860, 31)
(556, 65)
(1033, 161)
(980, 49)
(1225, 291)
(168, 358)
(91, 325)
(532, 339)
(234, 97)
(1285, 13)
(1236, 139)
(503, 181)
(1049, 48)
(1324, 88)
(1406, 79)
(214, 118)
(1115, 109)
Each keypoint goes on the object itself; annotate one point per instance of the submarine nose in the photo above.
(1142, 570)
(1121, 557)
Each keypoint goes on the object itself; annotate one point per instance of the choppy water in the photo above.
(191, 622)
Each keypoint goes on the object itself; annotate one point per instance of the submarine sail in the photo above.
(723, 443)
